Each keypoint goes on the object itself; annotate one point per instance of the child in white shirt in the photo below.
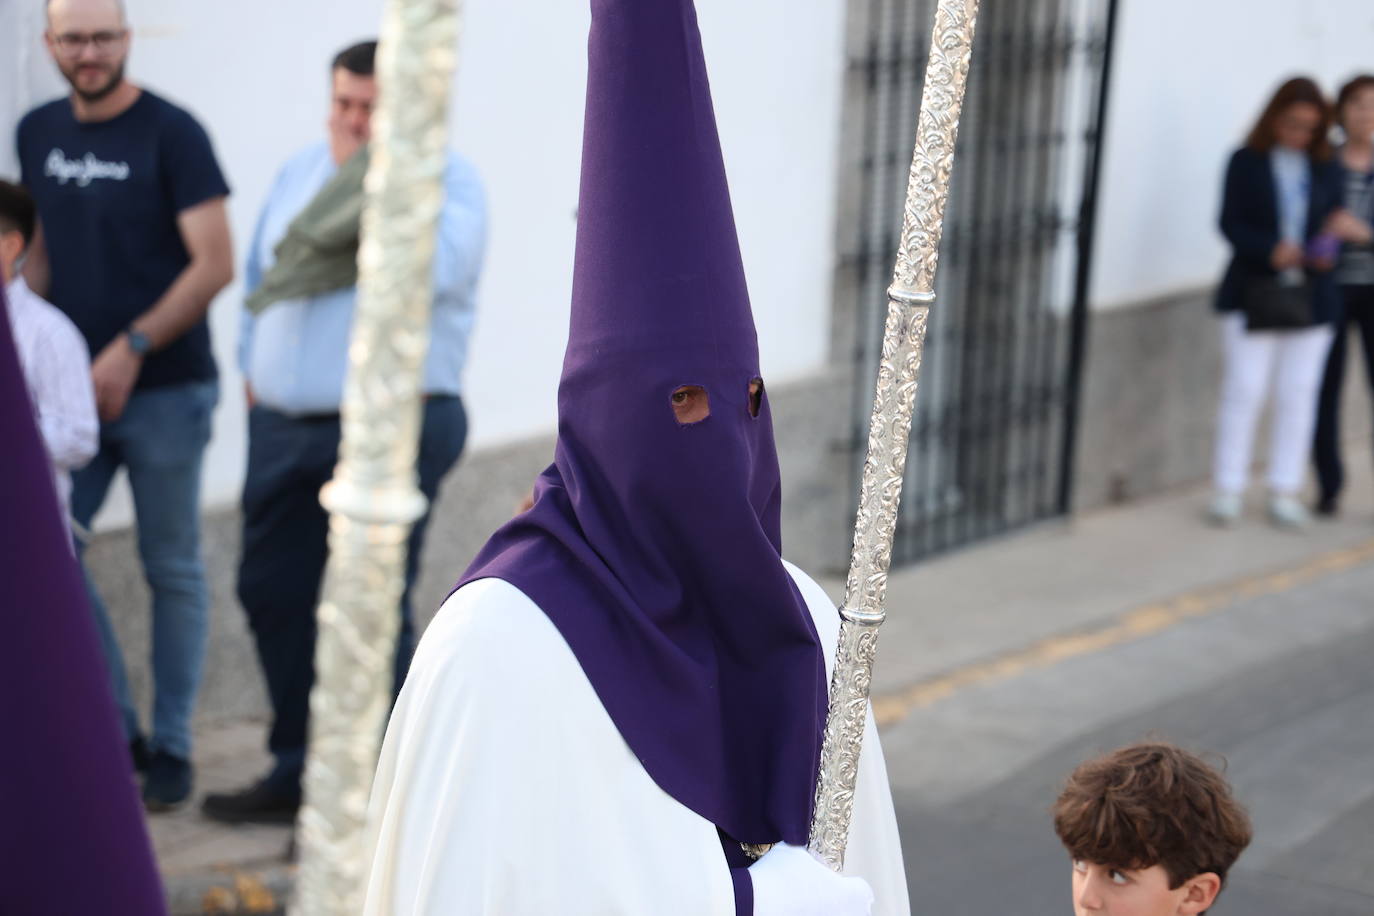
(52, 352)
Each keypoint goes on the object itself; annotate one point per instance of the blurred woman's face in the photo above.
(1296, 125)
(1357, 115)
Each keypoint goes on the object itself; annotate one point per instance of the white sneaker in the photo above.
(1224, 509)
(1287, 512)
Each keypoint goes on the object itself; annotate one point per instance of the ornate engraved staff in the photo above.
(373, 499)
(910, 297)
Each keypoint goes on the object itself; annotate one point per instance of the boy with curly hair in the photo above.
(1152, 831)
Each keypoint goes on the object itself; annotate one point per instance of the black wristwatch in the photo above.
(138, 342)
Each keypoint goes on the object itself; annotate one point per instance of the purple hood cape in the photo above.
(654, 547)
(72, 838)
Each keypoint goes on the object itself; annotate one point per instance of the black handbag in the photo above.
(1271, 305)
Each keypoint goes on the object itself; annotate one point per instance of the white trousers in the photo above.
(1255, 363)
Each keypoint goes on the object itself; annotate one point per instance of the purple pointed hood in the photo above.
(72, 838)
(654, 547)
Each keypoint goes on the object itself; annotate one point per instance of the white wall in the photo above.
(23, 62)
(1188, 81)
(255, 72)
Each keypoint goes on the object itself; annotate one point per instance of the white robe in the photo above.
(505, 789)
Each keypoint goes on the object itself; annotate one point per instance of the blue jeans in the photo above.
(160, 440)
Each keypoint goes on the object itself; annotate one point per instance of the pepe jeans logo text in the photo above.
(84, 170)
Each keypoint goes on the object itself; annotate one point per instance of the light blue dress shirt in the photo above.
(294, 353)
(1293, 181)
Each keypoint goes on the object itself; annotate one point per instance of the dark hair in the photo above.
(17, 213)
(1152, 804)
(1351, 89)
(1296, 91)
(359, 59)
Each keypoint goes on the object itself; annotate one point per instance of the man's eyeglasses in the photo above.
(71, 44)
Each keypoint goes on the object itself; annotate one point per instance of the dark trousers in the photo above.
(284, 553)
(1326, 449)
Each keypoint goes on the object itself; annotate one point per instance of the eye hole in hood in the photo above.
(690, 404)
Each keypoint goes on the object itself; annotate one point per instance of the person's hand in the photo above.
(114, 373)
(1286, 254)
(1349, 228)
(789, 882)
(248, 399)
(526, 503)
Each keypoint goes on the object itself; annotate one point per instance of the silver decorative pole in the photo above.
(373, 499)
(910, 297)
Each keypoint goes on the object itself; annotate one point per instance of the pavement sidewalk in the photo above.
(976, 613)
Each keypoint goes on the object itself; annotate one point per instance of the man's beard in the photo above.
(91, 96)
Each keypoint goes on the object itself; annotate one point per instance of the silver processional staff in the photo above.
(910, 297)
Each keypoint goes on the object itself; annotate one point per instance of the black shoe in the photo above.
(263, 803)
(168, 783)
(1328, 507)
(140, 754)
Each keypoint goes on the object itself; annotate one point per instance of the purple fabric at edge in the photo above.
(72, 838)
(744, 891)
(654, 547)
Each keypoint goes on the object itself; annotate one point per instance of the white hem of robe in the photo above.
(505, 789)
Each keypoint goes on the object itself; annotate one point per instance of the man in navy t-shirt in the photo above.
(134, 245)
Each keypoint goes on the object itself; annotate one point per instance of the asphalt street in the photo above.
(1272, 671)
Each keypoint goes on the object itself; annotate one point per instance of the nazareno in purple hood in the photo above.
(654, 547)
(72, 837)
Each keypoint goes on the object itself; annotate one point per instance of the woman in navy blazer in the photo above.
(1280, 196)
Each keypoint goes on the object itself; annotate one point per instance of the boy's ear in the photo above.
(11, 246)
(1201, 892)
